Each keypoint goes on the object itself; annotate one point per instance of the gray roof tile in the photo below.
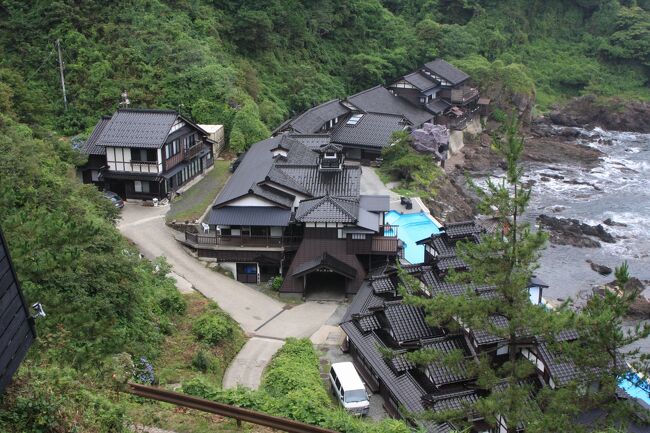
(137, 128)
(379, 100)
(249, 216)
(447, 71)
(420, 81)
(313, 119)
(90, 147)
(328, 209)
(374, 130)
(407, 322)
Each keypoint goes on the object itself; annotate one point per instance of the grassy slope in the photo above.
(174, 365)
(194, 201)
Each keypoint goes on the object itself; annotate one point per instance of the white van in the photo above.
(348, 388)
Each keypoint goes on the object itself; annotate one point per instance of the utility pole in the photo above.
(65, 98)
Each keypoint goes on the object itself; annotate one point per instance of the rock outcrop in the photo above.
(613, 114)
(567, 231)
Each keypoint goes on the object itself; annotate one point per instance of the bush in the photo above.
(173, 303)
(204, 361)
(276, 283)
(213, 327)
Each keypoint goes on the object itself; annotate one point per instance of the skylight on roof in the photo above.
(354, 119)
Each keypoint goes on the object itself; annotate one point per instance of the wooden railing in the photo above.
(462, 95)
(242, 241)
(192, 151)
(375, 244)
(144, 166)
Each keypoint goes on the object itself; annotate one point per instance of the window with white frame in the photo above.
(141, 186)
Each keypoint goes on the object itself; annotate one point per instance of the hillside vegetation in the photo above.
(250, 64)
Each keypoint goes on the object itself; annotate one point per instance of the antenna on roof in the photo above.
(125, 100)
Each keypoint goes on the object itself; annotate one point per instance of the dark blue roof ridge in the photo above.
(149, 110)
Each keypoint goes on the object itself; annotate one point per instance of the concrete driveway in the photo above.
(266, 320)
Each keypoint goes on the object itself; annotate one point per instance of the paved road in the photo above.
(266, 320)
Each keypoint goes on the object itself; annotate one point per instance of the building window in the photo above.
(191, 141)
(172, 148)
(141, 186)
(354, 119)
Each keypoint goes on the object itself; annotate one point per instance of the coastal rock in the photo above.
(601, 269)
(612, 114)
(610, 222)
(566, 231)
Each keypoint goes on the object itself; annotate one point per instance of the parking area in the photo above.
(332, 354)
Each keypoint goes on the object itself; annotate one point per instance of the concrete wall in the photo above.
(456, 142)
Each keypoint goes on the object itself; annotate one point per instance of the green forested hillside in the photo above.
(250, 64)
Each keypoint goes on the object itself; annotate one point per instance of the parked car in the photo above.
(348, 388)
(116, 199)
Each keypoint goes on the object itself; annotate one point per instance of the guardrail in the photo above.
(238, 413)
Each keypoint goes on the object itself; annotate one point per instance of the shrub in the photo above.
(213, 327)
(173, 302)
(276, 283)
(204, 361)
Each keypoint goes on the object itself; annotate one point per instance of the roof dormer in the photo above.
(330, 157)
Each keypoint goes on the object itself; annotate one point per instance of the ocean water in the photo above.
(619, 188)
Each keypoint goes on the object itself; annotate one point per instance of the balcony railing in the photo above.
(191, 152)
(463, 95)
(375, 244)
(144, 166)
(242, 241)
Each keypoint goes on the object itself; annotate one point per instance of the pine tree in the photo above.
(505, 260)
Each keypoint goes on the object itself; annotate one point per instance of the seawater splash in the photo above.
(617, 189)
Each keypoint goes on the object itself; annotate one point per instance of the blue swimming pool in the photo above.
(412, 228)
(636, 387)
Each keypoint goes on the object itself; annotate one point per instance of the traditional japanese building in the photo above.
(364, 123)
(380, 328)
(17, 331)
(145, 154)
(293, 208)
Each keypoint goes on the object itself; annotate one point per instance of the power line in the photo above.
(49, 56)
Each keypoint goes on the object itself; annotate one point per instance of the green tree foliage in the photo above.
(417, 173)
(631, 40)
(292, 387)
(247, 128)
(622, 274)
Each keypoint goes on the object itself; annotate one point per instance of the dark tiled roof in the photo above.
(562, 371)
(447, 71)
(312, 120)
(403, 386)
(383, 285)
(312, 140)
(456, 401)
(345, 183)
(407, 322)
(441, 374)
(298, 171)
(137, 128)
(437, 106)
(449, 262)
(420, 81)
(325, 261)
(373, 130)
(90, 147)
(379, 100)
(249, 216)
(368, 323)
(462, 229)
(328, 209)
(399, 364)
(483, 337)
(254, 167)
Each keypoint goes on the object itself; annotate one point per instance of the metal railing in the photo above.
(238, 413)
(242, 241)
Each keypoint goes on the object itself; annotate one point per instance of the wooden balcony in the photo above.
(463, 95)
(217, 241)
(387, 244)
(191, 152)
(144, 166)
